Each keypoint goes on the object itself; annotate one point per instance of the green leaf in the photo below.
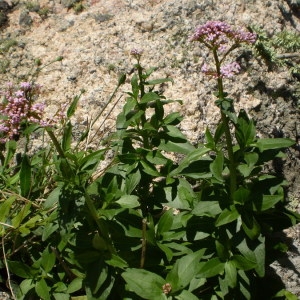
(172, 118)
(21, 215)
(62, 296)
(176, 147)
(132, 180)
(250, 226)
(241, 195)
(49, 228)
(151, 96)
(186, 295)
(267, 201)
(149, 169)
(52, 198)
(207, 208)
(260, 255)
(73, 106)
(155, 157)
(216, 167)
(211, 268)
(184, 270)
(48, 260)
(174, 132)
(19, 269)
(25, 176)
(10, 148)
(251, 158)
(243, 263)
(286, 294)
(67, 137)
(209, 139)
(75, 285)
(230, 274)
(41, 289)
(99, 242)
(192, 156)
(5, 208)
(273, 143)
(159, 81)
(227, 216)
(165, 222)
(144, 283)
(92, 158)
(26, 285)
(117, 262)
(129, 201)
(167, 251)
(135, 86)
(122, 79)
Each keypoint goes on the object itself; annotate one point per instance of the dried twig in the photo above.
(7, 270)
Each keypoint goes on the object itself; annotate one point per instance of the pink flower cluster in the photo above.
(18, 108)
(137, 53)
(230, 70)
(217, 34)
(227, 71)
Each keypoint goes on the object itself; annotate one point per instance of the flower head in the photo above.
(217, 34)
(17, 109)
(230, 70)
(137, 53)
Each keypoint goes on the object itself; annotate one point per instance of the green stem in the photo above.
(225, 121)
(142, 106)
(55, 142)
(144, 243)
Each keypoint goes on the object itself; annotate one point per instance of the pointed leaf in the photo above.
(151, 96)
(25, 176)
(211, 268)
(145, 284)
(273, 143)
(227, 216)
(159, 81)
(216, 167)
(73, 106)
(41, 289)
(184, 270)
(129, 201)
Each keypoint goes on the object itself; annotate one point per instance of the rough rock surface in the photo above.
(95, 46)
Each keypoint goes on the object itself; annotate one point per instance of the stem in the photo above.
(7, 270)
(144, 243)
(55, 142)
(225, 121)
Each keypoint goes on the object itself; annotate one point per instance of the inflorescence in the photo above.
(18, 109)
(219, 36)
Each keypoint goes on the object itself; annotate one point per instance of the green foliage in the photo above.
(279, 49)
(151, 226)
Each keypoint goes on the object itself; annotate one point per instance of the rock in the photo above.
(4, 10)
(25, 18)
(69, 3)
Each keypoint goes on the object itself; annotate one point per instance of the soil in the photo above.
(95, 45)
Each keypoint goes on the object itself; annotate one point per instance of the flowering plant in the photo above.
(164, 220)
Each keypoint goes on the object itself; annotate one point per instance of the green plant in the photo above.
(278, 50)
(78, 7)
(6, 44)
(32, 6)
(150, 225)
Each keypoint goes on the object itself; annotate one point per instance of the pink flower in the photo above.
(230, 70)
(217, 34)
(17, 109)
(137, 53)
